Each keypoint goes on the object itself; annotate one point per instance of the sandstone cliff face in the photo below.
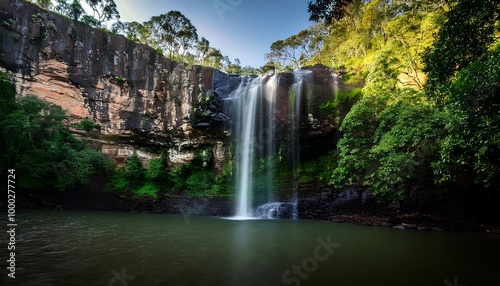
(140, 99)
(137, 96)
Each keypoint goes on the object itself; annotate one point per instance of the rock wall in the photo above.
(136, 95)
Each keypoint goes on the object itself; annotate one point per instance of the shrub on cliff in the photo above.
(34, 141)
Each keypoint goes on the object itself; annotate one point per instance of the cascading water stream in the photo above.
(254, 113)
(301, 77)
(268, 134)
(245, 100)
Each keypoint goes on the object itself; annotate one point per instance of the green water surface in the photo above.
(108, 248)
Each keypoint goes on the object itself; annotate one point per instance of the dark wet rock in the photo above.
(224, 84)
(276, 210)
(409, 226)
(385, 224)
(209, 112)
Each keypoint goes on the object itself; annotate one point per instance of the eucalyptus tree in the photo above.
(296, 50)
(234, 68)
(215, 58)
(103, 11)
(202, 48)
(73, 10)
(134, 31)
(172, 32)
(327, 10)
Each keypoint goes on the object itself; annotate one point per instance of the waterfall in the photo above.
(245, 100)
(255, 117)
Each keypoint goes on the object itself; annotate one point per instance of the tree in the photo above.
(328, 11)
(35, 143)
(134, 31)
(234, 68)
(389, 143)
(215, 58)
(466, 35)
(464, 70)
(172, 32)
(103, 11)
(395, 137)
(202, 48)
(471, 147)
(134, 172)
(73, 10)
(296, 50)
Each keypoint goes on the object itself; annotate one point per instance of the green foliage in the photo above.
(73, 10)
(197, 179)
(296, 50)
(134, 172)
(85, 125)
(472, 110)
(200, 182)
(464, 71)
(120, 80)
(172, 32)
(404, 146)
(395, 138)
(379, 40)
(79, 167)
(157, 173)
(194, 178)
(148, 190)
(46, 4)
(7, 96)
(466, 34)
(102, 11)
(359, 127)
(388, 143)
(343, 99)
(35, 143)
(327, 10)
(319, 169)
(135, 179)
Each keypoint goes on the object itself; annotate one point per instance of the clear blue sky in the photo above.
(243, 29)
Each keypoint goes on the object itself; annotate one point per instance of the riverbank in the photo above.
(452, 212)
